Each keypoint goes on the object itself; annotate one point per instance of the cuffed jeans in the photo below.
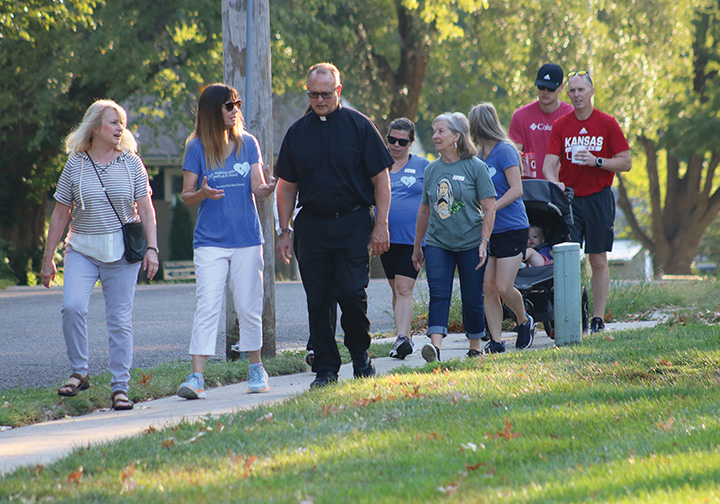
(118, 285)
(440, 267)
(246, 283)
(333, 258)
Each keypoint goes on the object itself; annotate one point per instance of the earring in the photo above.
(456, 145)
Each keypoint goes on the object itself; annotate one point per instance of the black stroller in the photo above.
(548, 207)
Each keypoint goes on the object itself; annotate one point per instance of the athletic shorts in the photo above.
(398, 261)
(508, 243)
(593, 220)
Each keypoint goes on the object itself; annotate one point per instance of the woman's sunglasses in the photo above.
(402, 141)
(232, 104)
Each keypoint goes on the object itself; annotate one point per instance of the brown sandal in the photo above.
(121, 401)
(71, 389)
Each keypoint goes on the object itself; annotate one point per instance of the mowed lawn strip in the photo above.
(627, 417)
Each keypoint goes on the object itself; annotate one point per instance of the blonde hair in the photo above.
(81, 138)
(458, 123)
(210, 126)
(485, 125)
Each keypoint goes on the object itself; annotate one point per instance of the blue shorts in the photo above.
(593, 220)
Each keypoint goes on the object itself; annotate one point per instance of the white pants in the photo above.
(118, 285)
(246, 282)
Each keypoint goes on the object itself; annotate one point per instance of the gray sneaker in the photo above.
(402, 348)
(193, 387)
(257, 379)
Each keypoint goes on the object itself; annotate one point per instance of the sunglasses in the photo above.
(232, 104)
(581, 73)
(545, 88)
(402, 141)
(317, 94)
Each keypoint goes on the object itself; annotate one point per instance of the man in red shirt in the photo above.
(531, 124)
(589, 147)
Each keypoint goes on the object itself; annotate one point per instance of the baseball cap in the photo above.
(550, 75)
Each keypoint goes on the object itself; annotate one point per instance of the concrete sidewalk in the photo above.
(46, 442)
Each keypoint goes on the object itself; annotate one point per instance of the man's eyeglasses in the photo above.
(232, 104)
(314, 95)
(545, 88)
(581, 73)
(402, 141)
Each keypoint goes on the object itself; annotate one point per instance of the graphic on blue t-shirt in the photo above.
(406, 186)
(231, 221)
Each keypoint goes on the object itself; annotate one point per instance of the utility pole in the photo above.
(247, 68)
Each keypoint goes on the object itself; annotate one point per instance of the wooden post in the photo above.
(238, 52)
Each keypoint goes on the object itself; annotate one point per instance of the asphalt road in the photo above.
(32, 349)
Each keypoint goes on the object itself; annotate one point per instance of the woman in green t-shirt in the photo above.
(456, 219)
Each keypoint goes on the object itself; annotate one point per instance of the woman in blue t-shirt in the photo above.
(406, 183)
(222, 172)
(510, 233)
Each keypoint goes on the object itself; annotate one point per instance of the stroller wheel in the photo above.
(549, 329)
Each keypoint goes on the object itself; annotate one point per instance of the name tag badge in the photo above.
(409, 170)
(459, 177)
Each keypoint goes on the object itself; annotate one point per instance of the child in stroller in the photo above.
(548, 208)
(538, 253)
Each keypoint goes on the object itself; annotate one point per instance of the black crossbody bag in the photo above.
(133, 233)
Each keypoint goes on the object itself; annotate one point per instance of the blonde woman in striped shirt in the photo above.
(100, 148)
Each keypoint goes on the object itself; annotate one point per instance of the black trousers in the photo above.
(332, 254)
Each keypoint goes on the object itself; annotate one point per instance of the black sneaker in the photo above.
(402, 347)
(473, 354)
(526, 333)
(430, 352)
(362, 366)
(323, 380)
(596, 325)
(494, 347)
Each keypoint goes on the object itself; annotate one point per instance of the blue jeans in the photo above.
(440, 268)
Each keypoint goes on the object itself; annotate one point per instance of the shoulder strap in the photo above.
(104, 189)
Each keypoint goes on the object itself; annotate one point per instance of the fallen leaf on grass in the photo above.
(151, 429)
(665, 363)
(507, 433)
(195, 438)
(449, 489)
(266, 418)
(667, 424)
(246, 462)
(609, 337)
(468, 446)
(145, 378)
(169, 442)
(128, 472)
(74, 477)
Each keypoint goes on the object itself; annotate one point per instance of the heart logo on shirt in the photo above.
(492, 171)
(242, 168)
(408, 181)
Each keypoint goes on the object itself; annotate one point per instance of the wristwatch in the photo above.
(283, 230)
(157, 250)
(598, 162)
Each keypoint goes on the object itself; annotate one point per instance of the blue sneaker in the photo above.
(257, 379)
(525, 333)
(193, 387)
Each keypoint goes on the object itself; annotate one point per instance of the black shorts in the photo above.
(508, 243)
(398, 261)
(593, 220)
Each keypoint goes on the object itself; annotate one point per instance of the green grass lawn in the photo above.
(632, 417)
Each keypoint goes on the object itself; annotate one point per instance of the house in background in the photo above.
(629, 260)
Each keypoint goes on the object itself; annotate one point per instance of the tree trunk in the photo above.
(689, 208)
(257, 109)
